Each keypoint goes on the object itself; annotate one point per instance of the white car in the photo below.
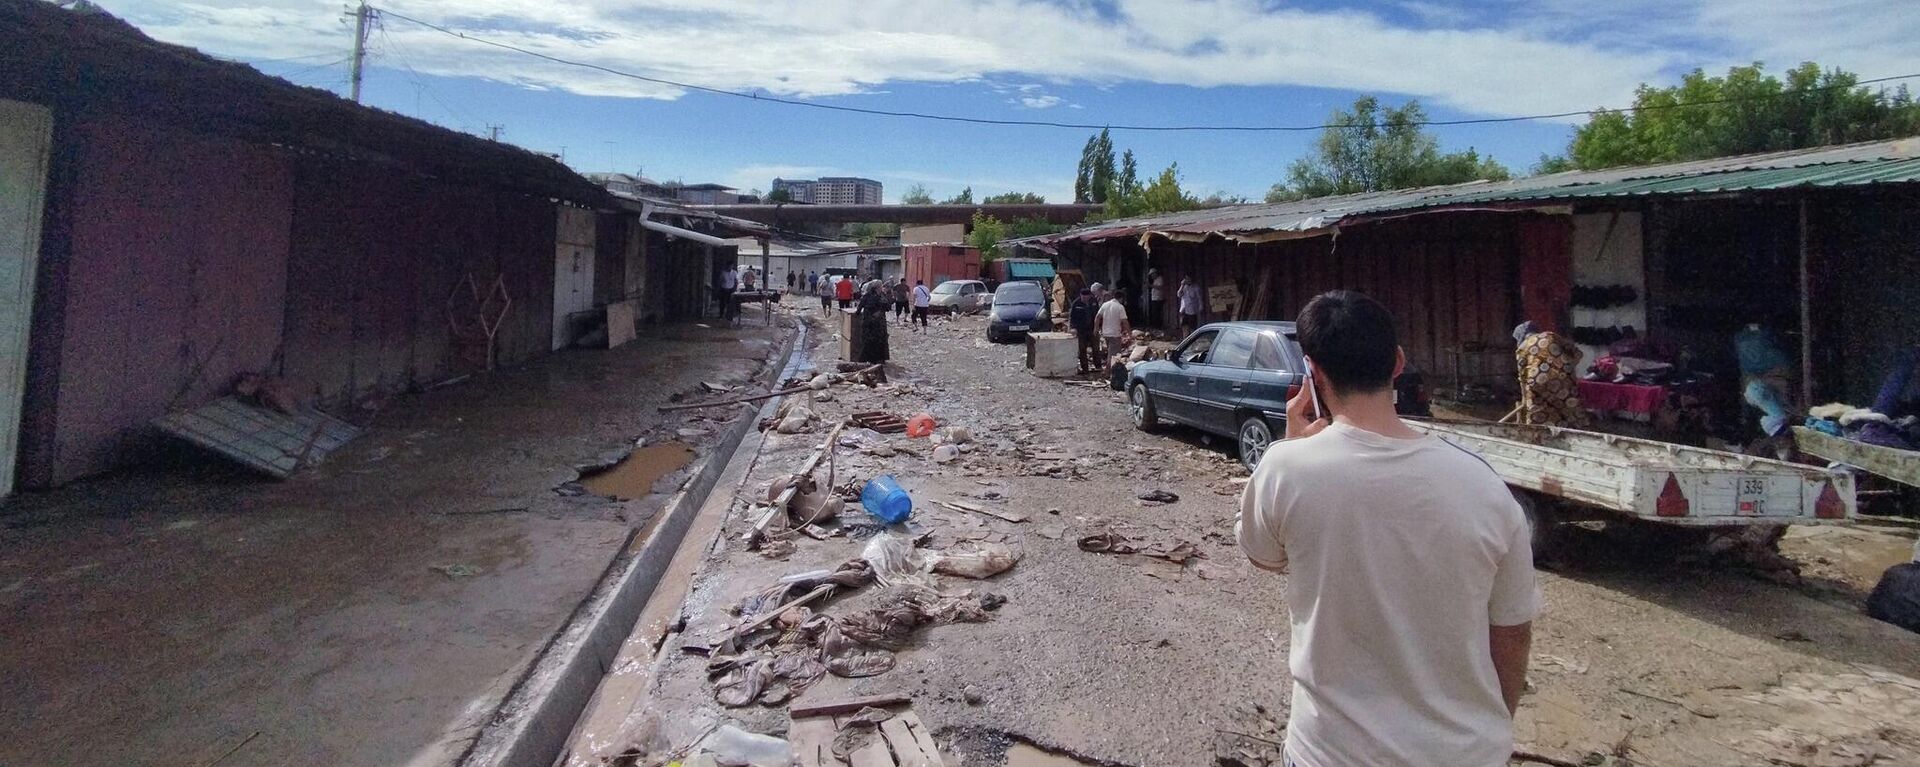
(959, 296)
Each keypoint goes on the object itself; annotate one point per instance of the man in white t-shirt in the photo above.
(1409, 565)
(922, 300)
(1112, 323)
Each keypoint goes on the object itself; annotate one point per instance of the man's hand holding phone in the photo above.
(1305, 417)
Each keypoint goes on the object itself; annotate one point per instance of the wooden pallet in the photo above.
(900, 741)
(880, 421)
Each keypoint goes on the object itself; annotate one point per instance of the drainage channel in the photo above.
(532, 726)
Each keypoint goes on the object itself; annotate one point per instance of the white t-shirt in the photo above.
(921, 297)
(1399, 554)
(1112, 315)
(729, 279)
(1189, 298)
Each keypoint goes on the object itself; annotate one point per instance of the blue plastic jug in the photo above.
(885, 499)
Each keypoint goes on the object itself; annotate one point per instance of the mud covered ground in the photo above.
(1645, 654)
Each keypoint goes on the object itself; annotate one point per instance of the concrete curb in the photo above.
(532, 725)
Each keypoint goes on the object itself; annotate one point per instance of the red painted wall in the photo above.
(178, 261)
(936, 263)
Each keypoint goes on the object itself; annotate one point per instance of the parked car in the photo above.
(959, 296)
(1019, 307)
(1234, 379)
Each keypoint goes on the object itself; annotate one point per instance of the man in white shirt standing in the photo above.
(723, 291)
(1112, 323)
(922, 299)
(1410, 566)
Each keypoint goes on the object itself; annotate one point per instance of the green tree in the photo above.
(1129, 181)
(1744, 111)
(1553, 163)
(1376, 148)
(916, 195)
(1094, 180)
(965, 197)
(1161, 195)
(988, 232)
(1013, 198)
(779, 195)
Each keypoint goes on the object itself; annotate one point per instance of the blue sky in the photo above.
(1155, 62)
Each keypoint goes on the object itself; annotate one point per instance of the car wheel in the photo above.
(1544, 527)
(1140, 408)
(1255, 437)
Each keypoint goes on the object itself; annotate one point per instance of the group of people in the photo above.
(1098, 317)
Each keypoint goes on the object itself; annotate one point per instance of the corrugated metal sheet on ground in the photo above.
(265, 440)
(1878, 162)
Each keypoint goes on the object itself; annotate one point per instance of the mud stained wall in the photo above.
(176, 270)
(375, 258)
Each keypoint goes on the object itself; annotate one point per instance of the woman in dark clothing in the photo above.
(875, 300)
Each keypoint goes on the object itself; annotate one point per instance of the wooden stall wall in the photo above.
(1865, 259)
(174, 272)
(375, 260)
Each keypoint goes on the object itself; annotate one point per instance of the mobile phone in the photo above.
(1313, 394)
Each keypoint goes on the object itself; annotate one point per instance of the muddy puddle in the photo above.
(634, 476)
(1023, 755)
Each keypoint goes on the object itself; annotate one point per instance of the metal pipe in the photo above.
(901, 214)
(671, 230)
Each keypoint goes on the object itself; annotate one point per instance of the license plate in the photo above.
(1751, 496)
(1016, 327)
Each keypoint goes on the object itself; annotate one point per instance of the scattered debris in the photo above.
(1177, 551)
(945, 454)
(716, 388)
(1052, 532)
(1159, 496)
(976, 560)
(921, 425)
(872, 736)
(457, 570)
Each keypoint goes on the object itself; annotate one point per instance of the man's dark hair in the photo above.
(1350, 338)
(1120, 294)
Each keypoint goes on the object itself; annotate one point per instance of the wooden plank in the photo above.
(1010, 516)
(906, 748)
(1901, 466)
(924, 737)
(849, 705)
(812, 740)
(873, 754)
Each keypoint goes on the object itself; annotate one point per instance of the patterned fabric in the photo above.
(1549, 388)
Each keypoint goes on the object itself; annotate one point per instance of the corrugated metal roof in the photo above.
(1021, 269)
(1879, 162)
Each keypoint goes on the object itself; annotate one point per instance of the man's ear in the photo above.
(1399, 361)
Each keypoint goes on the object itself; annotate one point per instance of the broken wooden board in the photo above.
(1010, 516)
(900, 741)
(267, 441)
(880, 421)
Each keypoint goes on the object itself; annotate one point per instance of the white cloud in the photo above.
(1528, 56)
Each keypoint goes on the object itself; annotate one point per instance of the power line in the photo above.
(1109, 126)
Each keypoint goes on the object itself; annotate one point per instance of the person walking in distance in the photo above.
(902, 296)
(922, 298)
(1156, 298)
(728, 282)
(1112, 324)
(1410, 580)
(1080, 317)
(843, 291)
(792, 279)
(1189, 297)
(823, 287)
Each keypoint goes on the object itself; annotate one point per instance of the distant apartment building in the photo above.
(831, 190)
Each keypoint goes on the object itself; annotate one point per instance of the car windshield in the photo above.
(1016, 294)
(947, 289)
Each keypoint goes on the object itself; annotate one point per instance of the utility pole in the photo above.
(493, 132)
(362, 18)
